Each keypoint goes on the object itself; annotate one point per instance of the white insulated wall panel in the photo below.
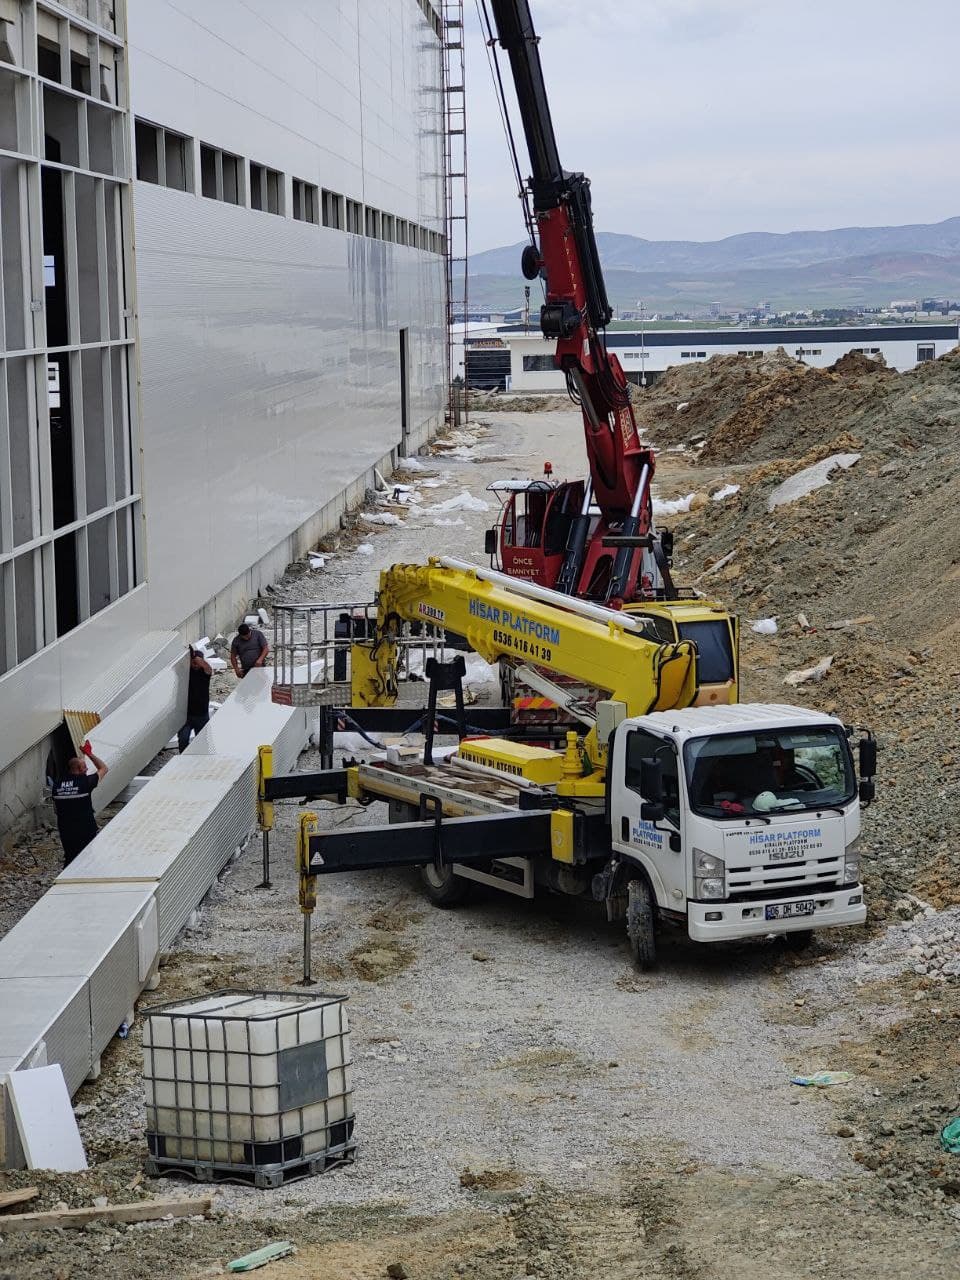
(269, 347)
(87, 933)
(143, 725)
(55, 1010)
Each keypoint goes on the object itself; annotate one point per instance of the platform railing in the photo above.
(312, 645)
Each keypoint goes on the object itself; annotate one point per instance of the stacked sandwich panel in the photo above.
(71, 969)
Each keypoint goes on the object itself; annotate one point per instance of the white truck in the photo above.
(730, 822)
(742, 820)
(668, 802)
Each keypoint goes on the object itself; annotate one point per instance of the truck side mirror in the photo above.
(868, 790)
(867, 748)
(651, 812)
(490, 542)
(651, 781)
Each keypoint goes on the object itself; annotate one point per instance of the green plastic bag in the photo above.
(823, 1079)
(950, 1137)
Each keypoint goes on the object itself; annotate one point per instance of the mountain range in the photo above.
(849, 266)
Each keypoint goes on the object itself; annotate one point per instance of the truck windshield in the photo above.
(774, 771)
(714, 650)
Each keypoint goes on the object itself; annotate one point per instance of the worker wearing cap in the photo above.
(73, 801)
(249, 649)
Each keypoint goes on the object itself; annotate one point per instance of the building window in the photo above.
(177, 161)
(354, 218)
(333, 215)
(431, 15)
(693, 355)
(220, 175)
(147, 140)
(402, 237)
(304, 201)
(371, 223)
(163, 157)
(749, 353)
(925, 351)
(388, 227)
(69, 461)
(631, 355)
(266, 189)
(539, 364)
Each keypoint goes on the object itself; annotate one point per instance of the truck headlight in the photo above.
(851, 862)
(708, 875)
(708, 887)
(705, 864)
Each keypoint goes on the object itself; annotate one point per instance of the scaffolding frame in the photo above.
(453, 90)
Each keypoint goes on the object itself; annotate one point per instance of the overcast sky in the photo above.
(698, 119)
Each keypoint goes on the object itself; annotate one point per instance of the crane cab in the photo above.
(530, 538)
(716, 634)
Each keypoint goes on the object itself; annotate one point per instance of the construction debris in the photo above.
(260, 1257)
(139, 1211)
(9, 1198)
(807, 674)
(810, 479)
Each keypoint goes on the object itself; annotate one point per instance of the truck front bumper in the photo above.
(722, 920)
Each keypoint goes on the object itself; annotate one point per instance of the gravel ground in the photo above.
(543, 1108)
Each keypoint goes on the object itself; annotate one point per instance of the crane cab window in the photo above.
(656, 627)
(715, 663)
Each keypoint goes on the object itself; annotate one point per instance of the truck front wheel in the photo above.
(442, 887)
(640, 925)
(798, 939)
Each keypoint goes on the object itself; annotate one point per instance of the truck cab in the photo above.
(742, 820)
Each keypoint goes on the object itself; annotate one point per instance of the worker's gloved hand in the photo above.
(86, 748)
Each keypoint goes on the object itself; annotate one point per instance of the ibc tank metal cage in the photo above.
(251, 1086)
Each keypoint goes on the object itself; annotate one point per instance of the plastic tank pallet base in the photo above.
(262, 1176)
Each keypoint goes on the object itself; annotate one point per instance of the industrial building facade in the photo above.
(222, 304)
(519, 361)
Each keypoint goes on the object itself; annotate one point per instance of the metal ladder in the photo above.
(455, 190)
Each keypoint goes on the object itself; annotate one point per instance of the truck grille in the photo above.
(777, 879)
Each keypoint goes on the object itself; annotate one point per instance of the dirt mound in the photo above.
(878, 544)
(493, 401)
(750, 409)
(854, 364)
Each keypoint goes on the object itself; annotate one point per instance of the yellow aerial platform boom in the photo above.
(502, 617)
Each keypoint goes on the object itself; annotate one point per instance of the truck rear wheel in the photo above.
(442, 887)
(641, 925)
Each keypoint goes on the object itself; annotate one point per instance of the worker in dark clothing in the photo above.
(198, 697)
(249, 649)
(73, 800)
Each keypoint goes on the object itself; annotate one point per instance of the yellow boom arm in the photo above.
(501, 623)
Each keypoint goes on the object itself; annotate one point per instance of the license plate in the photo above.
(784, 910)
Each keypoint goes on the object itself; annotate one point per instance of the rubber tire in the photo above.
(798, 940)
(443, 888)
(641, 925)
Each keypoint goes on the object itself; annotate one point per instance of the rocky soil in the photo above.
(527, 1104)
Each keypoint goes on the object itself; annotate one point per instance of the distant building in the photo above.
(524, 362)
